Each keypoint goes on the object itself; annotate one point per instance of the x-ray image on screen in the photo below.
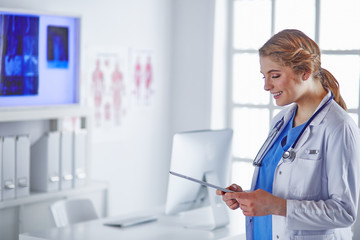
(39, 59)
(19, 55)
(57, 47)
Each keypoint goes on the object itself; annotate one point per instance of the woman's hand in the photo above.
(256, 203)
(231, 203)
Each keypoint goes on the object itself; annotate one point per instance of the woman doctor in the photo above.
(306, 182)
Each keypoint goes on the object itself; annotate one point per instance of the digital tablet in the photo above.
(199, 181)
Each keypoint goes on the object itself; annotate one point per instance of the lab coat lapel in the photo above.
(315, 122)
(287, 116)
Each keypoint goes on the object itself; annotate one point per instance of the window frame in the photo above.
(231, 52)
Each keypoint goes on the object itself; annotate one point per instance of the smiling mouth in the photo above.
(277, 94)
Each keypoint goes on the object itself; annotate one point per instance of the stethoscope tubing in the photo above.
(310, 120)
(268, 142)
(289, 154)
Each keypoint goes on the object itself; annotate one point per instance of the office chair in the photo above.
(70, 211)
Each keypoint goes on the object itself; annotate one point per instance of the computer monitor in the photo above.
(204, 155)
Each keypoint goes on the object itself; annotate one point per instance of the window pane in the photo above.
(251, 127)
(242, 174)
(248, 85)
(292, 15)
(346, 70)
(339, 24)
(252, 23)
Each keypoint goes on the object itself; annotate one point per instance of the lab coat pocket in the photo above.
(306, 177)
(310, 154)
(315, 237)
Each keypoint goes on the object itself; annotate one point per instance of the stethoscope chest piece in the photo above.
(289, 155)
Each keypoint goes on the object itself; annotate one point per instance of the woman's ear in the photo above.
(306, 76)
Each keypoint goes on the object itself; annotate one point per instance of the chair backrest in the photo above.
(70, 211)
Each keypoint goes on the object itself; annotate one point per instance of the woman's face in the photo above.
(282, 82)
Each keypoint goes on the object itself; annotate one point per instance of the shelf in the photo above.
(35, 121)
(44, 196)
(41, 113)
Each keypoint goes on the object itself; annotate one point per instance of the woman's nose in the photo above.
(267, 84)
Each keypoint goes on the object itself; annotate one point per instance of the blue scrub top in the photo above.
(263, 224)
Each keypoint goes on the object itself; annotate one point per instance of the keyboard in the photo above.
(126, 222)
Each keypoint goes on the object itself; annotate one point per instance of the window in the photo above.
(332, 24)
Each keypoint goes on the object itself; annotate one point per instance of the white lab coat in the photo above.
(322, 184)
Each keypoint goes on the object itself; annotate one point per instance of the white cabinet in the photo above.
(31, 213)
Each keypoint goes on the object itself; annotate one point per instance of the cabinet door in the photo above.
(9, 223)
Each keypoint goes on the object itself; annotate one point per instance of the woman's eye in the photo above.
(275, 76)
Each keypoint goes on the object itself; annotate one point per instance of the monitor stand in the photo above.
(211, 217)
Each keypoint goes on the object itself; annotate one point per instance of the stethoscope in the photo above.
(290, 154)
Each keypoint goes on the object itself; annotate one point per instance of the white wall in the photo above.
(180, 34)
(193, 52)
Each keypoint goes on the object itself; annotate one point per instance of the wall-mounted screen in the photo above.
(39, 59)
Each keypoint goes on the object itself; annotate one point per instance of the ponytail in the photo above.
(328, 81)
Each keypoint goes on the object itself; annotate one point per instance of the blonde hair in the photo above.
(292, 48)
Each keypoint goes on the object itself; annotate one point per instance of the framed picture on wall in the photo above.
(39, 59)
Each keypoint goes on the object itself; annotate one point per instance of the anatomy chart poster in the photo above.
(142, 77)
(108, 89)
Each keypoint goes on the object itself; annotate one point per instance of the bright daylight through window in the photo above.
(252, 22)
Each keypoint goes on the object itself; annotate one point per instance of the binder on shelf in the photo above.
(66, 160)
(22, 166)
(45, 163)
(79, 163)
(8, 170)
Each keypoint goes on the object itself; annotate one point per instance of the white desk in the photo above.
(165, 227)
